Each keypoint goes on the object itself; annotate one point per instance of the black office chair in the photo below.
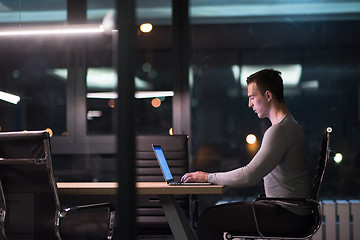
(151, 218)
(313, 201)
(33, 209)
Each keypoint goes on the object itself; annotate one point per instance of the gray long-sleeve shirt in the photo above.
(280, 161)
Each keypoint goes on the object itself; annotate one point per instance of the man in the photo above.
(280, 162)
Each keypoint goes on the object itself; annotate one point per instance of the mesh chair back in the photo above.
(29, 185)
(322, 161)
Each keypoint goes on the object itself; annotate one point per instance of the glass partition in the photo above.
(318, 54)
(32, 94)
(68, 83)
(153, 79)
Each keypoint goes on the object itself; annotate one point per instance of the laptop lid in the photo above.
(159, 153)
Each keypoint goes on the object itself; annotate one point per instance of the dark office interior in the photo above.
(201, 55)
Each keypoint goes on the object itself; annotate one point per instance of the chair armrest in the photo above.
(89, 206)
(94, 220)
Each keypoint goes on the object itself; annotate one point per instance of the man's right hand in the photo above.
(197, 176)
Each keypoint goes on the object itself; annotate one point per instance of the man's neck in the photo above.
(278, 111)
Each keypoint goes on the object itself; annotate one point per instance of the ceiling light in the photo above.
(50, 30)
(7, 97)
(102, 95)
(153, 94)
(138, 94)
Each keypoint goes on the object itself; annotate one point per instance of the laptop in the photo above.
(160, 156)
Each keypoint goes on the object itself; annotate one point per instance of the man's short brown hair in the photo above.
(268, 80)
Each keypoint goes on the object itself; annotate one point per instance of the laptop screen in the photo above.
(162, 162)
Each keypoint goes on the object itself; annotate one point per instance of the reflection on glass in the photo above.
(31, 98)
(318, 57)
(101, 95)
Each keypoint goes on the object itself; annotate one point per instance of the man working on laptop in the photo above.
(280, 162)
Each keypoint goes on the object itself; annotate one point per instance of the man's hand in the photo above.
(195, 177)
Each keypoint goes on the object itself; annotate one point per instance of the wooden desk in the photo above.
(178, 222)
(109, 188)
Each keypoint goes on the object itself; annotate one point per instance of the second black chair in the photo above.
(30, 198)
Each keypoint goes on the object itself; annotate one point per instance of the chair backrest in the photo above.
(29, 185)
(150, 215)
(322, 161)
(176, 151)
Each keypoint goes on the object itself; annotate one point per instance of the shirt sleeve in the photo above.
(273, 148)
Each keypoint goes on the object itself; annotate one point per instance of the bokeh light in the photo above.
(338, 158)
(156, 102)
(111, 103)
(146, 27)
(146, 67)
(251, 139)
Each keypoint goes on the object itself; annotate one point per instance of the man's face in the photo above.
(257, 101)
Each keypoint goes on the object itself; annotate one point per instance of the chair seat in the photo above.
(89, 221)
(299, 235)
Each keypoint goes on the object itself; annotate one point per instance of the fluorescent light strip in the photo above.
(153, 94)
(7, 97)
(41, 30)
(102, 95)
(138, 94)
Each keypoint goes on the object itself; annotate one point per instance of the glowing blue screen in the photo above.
(163, 164)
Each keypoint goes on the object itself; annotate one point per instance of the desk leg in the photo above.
(193, 204)
(179, 224)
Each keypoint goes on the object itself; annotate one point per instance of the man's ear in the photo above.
(269, 95)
